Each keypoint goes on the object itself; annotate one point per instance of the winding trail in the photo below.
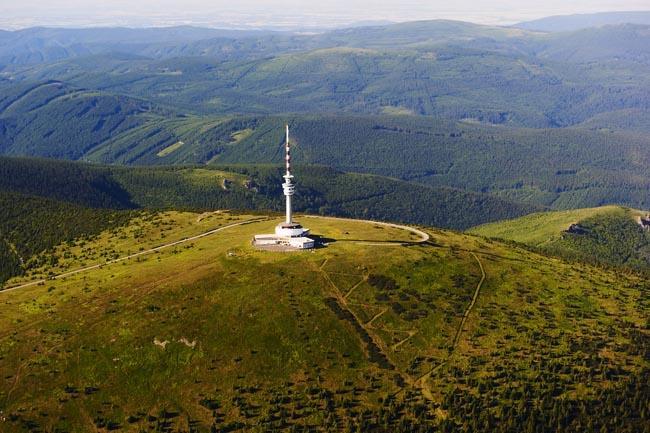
(141, 253)
(471, 305)
(424, 236)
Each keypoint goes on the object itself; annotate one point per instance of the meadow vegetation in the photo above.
(363, 335)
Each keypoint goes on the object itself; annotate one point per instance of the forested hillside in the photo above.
(557, 167)
(53, 119)
(558, 120)
(320, 190)
(71, 182)
(562, 168)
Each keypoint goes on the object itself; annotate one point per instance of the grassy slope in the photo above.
(254, 338)
(540, 228)
(606, 235)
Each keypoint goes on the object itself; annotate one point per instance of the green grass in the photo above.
(255, 337)
(241, 135)
(539, 228)
(170, 149)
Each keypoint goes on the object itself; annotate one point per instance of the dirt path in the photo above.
(422, 381)
(423, 238)
(376, 316)
(141, 253)
(411, 334)
(344, 304)
(343, 298)
(471, 305)
(423, 235)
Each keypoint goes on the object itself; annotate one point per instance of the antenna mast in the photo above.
(288, 186)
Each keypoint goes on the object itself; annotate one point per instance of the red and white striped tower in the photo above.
(288, 186)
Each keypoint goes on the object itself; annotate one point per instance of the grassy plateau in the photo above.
(378, 331)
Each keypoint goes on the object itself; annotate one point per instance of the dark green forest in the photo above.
(559, 168)
(320, 190)
(611, 238)
(556, 120)
(435, 68)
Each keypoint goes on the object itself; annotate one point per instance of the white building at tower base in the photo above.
(283, 243)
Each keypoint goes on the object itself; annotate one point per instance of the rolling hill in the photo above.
(53, 119)
(46, 202)
(45, 45)
(133, 299)
(561, 168)
(621, 43)
(378, 331)
(438, 68)
(606, 235)
(40, 44)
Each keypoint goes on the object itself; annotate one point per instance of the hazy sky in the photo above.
(288, 13)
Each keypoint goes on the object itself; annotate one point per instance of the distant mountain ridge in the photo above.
(567, 23)
(434, 68)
